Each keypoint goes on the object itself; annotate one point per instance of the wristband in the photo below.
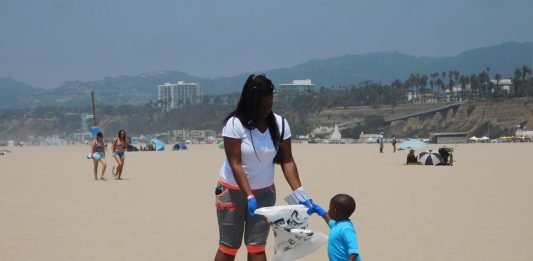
(250, 196)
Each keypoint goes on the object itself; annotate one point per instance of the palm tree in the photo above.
(525, 71)
(434, 77)
(517, 81)
(443, 86)
(464, 83)
(423, 83)
(484, 80)
(397, 91)
(498, 77)
(474, 87)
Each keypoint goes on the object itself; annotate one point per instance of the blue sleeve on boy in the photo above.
(342, 240)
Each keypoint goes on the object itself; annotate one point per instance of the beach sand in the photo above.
(52, 209)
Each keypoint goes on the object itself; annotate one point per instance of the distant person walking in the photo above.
(120, 144)
(380, 141)
(98, 155)
(394, 143)
(252, 135)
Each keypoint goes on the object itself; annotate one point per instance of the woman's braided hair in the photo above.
(248, 109)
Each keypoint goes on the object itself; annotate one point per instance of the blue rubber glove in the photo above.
(319, 210)
(252, 206)
(308, 203)
(314, 208)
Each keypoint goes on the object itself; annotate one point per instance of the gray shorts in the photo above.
(233, 220)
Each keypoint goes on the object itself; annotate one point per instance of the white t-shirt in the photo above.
(260, 172)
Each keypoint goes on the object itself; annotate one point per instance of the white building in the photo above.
(336, 135)
(503, 84)
(179, 94)
(522, 132)
(85, 117)
(297, 87)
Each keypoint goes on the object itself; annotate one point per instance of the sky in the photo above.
(47, 42)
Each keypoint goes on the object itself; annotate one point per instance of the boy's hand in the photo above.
(252, 206)
(308, 203)
(314, 208)
(319, 210)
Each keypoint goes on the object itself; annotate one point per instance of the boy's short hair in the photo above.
(344, 204)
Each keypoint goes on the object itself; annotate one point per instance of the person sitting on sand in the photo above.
(445, 154)
(411, 158)
(98, 155)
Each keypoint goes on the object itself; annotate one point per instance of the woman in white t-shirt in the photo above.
(246, 179)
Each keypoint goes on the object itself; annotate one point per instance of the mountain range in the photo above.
(382, 67)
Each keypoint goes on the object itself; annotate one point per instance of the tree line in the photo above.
(448, 86)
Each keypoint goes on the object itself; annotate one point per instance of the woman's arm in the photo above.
(232, 148)
(290, 171)
(114, 145)
(92, 147)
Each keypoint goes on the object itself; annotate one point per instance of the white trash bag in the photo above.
(293, 238)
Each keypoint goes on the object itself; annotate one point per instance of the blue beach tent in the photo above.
(159, 146)
(412, 144)
(179, 146)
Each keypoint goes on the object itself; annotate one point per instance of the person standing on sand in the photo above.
(394, 143)
(380, 141)
(119, 147)
(98, 155)
(342, 242)
(246, 179)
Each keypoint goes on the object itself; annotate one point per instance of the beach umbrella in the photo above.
(474, 138)
(159, 146)
(412, 144)
(429, 158)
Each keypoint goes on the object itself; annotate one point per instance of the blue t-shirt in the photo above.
(342, 241)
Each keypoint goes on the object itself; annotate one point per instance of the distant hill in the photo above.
(382, 67)
(387, 66)
(13, 91)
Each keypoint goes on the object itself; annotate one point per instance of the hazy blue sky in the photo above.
(45, 43)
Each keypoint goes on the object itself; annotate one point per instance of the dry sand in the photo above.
(52, 209)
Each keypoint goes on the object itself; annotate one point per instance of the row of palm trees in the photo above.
(453, 86)
(450, 86)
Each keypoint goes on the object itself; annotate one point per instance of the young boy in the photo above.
(342, 242)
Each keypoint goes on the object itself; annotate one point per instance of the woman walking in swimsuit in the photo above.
(98, 155)
(119, 147)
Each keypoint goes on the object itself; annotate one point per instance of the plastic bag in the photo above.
(293, 238)
(95, 156)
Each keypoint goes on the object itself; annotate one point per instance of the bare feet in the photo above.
(102, 178)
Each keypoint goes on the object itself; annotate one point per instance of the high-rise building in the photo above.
(179, 94)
